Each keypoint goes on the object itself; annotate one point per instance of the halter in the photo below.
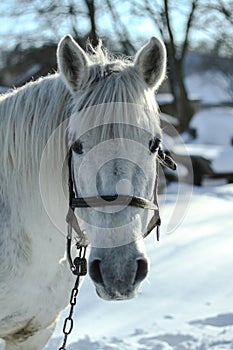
(110, 200)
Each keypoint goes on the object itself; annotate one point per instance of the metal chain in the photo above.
(80, 264)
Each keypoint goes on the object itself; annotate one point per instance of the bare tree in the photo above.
(160, 14)
(223, 8)
(91, 6)
(121, 29)
(177, 56)
(38, 21)
(34, 22)
(220, 13)
(49, 20)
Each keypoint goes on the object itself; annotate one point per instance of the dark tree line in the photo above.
(91, 19)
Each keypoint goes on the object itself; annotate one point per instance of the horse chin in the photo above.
(115, 296)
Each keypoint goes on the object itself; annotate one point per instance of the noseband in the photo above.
(110, 200)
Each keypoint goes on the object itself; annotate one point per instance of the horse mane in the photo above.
(28, 117)
(30, 114)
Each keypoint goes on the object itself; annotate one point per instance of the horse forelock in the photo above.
(111, 92)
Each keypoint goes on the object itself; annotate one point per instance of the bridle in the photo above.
(110, 200)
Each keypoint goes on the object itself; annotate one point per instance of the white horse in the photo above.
(113, 132)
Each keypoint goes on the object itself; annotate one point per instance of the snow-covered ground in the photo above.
(211, 86)
(187, 301)
(213, 140)
(213, 126)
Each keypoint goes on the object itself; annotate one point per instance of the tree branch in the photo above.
(123, 33)
(92, 16)
(170, 32)
(188, 28)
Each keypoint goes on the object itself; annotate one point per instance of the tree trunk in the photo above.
(92, 16)
(183, 104)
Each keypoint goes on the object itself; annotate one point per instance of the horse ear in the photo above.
(150, 62)
(72, 61)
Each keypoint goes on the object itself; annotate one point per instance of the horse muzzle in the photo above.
(118, 272)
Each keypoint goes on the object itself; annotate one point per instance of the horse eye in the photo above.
(154, 144)
(77, 147)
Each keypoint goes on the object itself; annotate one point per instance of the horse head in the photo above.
(114, 137)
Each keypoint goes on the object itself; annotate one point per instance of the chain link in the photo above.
(79, 269)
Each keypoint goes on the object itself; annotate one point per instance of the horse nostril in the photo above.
(142, 270)
(94, 271)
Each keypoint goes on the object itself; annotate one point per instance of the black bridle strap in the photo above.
(166, 159)
(121, 200)
(103, 201)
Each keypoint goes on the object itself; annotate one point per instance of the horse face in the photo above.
(107, 161)
(110, 140)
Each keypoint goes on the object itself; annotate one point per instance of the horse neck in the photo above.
(25, 129)
(31, 237)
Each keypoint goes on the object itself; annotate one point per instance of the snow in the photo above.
(213, 125)
(210, 86)
(213, 140)
(224, 162)
(221, 157)
(187, 301)
(207, 151)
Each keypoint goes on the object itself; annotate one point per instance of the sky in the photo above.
(11, 28)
